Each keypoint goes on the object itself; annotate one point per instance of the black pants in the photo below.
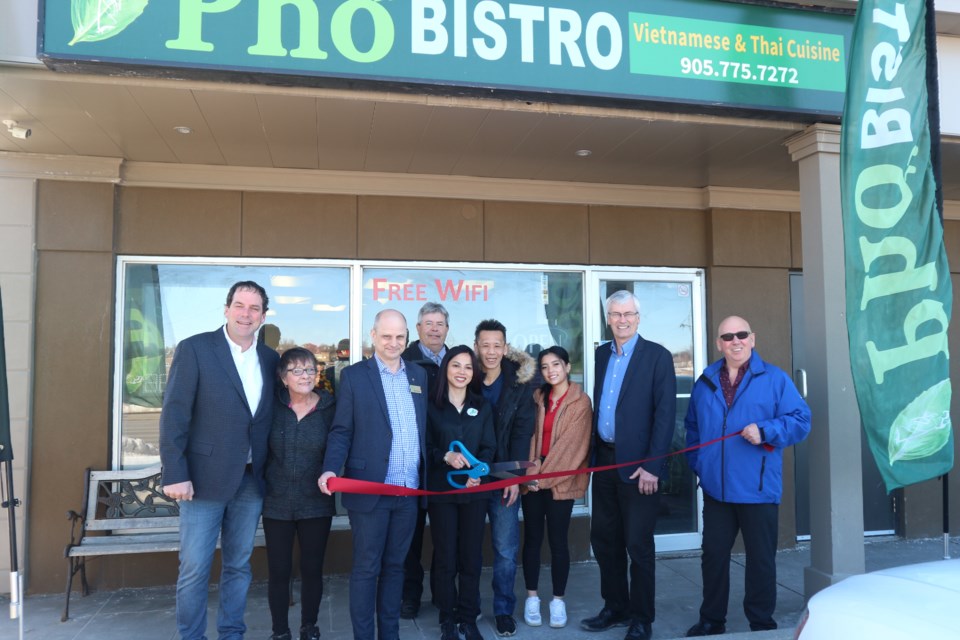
(622, 525)
(457, 529)
(540, 508)
(311, 534)
(412, 567)
(758, 524)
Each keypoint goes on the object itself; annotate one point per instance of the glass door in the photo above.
(672, 314)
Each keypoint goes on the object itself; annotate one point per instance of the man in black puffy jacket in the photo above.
(506, 386)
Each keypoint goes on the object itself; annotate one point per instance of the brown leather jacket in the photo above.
(569, 444)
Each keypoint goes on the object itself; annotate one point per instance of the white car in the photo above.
(915, 602)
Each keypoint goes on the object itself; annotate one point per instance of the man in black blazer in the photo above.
(216, 416)
(378, 435)
(635, 400)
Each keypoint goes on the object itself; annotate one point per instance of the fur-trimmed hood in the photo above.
(525, 365)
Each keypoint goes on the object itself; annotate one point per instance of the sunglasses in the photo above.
(739, 335)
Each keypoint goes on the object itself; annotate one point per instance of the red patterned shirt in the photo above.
(730, 389)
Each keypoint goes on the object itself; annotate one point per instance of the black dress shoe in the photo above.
(448, 631)
(469, 631)
(409, 610)
(606, 619)
(638, 631)
(704, 628)
(310, 632)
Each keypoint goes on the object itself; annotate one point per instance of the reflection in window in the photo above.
(165, 303)
(539, 308)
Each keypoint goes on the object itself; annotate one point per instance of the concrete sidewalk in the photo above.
(148, 614)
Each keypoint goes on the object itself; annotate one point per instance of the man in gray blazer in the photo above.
(217, 411)
(378, 436)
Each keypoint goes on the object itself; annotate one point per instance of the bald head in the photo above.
(732, 321)
(389, 336)
(387, 315)
(735, 340)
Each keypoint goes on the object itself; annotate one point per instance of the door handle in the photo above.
(800, 379)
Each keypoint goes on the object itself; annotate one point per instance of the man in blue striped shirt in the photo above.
(378, 436)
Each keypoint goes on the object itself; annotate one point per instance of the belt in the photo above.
(248, 468)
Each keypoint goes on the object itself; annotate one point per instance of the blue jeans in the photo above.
(201, 522)
(505, 536)
(381, 539)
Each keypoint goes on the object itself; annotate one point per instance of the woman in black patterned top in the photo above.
(294, 505)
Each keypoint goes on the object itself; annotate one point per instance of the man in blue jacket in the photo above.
(378, 436)
(216, 417)
(741, 477)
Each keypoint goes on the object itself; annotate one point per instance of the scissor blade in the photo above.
(506, 475)
(514, 465)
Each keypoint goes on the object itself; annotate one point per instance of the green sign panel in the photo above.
(727, 52)
(707, 52)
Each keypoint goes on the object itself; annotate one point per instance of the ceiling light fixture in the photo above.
(583, 153)
(14, 129)
(183, 130)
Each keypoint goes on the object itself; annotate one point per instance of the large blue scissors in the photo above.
(478, 468)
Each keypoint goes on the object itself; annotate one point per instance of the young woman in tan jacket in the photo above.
(560, 443)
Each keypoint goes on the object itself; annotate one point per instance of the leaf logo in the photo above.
(95, 20)
(923, 427)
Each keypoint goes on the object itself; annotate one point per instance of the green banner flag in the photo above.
(899, 295)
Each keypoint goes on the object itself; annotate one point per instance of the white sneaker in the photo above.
(558, 613)
(531, 612)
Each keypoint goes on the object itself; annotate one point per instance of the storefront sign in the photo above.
(707, 52)
(899, 294)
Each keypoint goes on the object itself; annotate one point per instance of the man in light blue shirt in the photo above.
(378, 436)
(635, 393)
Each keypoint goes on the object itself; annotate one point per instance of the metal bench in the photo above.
(123, 512)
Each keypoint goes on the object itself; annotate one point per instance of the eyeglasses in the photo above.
(629, 315)
(299, 372)
(739, 335)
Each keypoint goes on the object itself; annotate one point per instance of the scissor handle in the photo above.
(477, 468)
(458, 447)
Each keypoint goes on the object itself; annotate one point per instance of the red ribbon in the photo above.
(349, 485)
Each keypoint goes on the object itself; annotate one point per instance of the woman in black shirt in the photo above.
(294, 505)
(458, 412)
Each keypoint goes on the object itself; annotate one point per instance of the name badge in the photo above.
(414, 388)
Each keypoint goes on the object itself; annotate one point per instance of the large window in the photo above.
(327, 306)
(163, 303)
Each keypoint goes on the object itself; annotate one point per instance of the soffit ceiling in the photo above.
(363, 131)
